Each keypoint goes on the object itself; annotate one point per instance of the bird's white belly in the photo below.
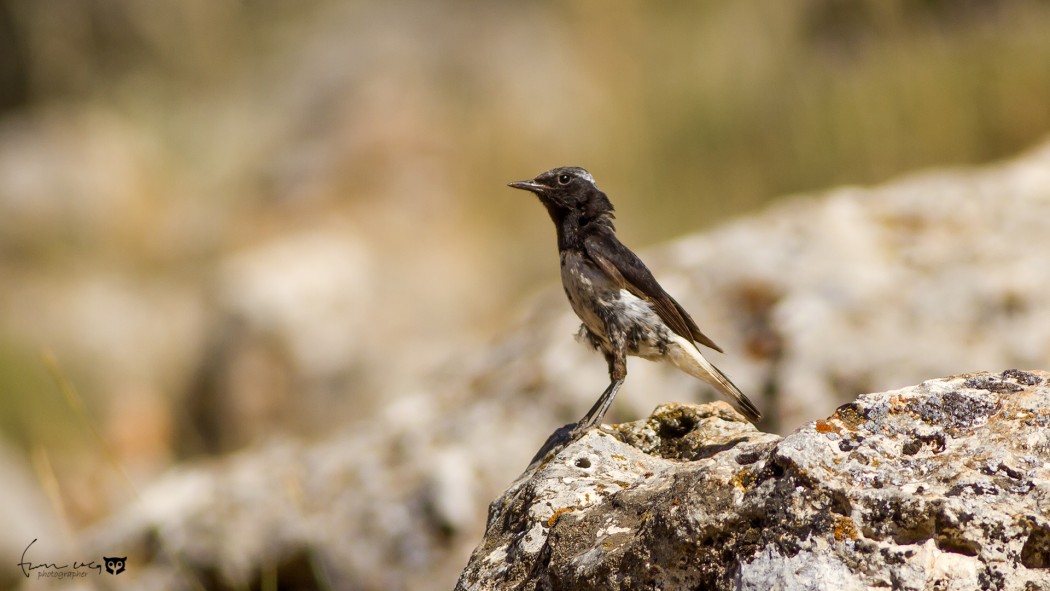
(647, 335)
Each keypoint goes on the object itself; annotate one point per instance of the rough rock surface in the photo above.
(944, 485)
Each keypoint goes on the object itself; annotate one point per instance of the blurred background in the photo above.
(223, 222)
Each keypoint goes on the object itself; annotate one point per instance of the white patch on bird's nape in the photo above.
(576, 171)
(573, 170)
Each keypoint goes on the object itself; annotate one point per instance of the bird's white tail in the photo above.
(689, 359)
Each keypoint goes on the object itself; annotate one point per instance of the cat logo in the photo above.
(115, 566)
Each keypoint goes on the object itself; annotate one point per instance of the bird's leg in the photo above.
(617, 374)
(566, 435)
(597, 412)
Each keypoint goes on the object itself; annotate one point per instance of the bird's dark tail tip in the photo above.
(748, 409)
(741, 402)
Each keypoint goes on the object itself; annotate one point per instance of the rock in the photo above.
(943, 485)
(393, 503)
(284, 345)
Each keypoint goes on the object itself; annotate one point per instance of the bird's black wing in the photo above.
(630, 273)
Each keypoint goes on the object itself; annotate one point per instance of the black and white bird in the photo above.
(623, 308)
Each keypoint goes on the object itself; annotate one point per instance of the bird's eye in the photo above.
(564, 179)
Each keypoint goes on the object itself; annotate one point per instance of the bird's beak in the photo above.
(529, 186)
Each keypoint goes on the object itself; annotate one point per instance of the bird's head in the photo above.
(570, 192)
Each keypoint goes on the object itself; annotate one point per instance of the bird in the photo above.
(625, 311)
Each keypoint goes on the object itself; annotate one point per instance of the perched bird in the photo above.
(623, 309)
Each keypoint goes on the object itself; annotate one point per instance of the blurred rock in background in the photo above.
(818, 299)
(225, 222)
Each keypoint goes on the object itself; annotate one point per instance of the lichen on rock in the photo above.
(943, 485)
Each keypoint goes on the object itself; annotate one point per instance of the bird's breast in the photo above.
(589, 291)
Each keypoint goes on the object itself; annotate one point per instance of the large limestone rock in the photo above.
(944, 485)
